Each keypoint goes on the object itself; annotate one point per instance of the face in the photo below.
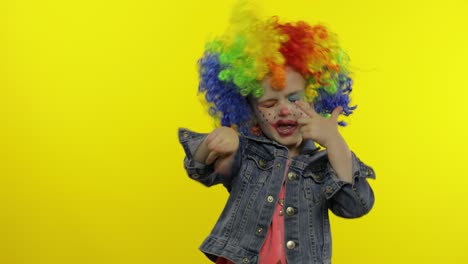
(276, 112)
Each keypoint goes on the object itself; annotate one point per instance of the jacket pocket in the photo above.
(313, 186)
(256, 170)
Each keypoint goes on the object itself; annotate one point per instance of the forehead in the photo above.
(294, 83)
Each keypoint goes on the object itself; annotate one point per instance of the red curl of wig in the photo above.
(303, 46)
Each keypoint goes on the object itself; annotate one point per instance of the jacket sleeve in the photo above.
(350, 200)
(200, 172)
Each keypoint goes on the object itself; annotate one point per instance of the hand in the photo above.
(221, 143)
(321, 129)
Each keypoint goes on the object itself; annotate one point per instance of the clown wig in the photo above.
(234, 64)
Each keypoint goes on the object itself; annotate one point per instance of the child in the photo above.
(277, 89)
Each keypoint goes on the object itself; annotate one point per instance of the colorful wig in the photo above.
(234, 64)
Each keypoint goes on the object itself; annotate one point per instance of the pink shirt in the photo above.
(272, 251)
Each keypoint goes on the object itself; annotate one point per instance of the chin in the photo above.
(290, 142)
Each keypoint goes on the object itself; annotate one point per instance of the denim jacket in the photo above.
(311, 188)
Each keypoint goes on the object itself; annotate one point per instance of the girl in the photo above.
(277, 90)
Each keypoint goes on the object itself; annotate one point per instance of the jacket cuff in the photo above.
(190, 141)
(334, 183)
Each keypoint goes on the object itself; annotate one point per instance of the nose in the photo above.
(284, 111)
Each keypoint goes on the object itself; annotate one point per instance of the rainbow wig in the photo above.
(234, 64)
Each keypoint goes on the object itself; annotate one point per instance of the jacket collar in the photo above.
(308, 146)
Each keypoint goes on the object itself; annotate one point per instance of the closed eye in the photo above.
(268, 104)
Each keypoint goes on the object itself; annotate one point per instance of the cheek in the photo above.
(297, 112)
(266, 115)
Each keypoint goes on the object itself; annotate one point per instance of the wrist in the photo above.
(332, 139)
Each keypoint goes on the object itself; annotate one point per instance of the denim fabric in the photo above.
(312, 188)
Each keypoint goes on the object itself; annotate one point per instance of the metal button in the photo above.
(329, 189)
(195, 176)
(290, 211)
(262, 163)
(278, 165)
(292, 176)
(270, 198)
(259, 231)
(185, 134)
(368, 172)
(290, 244)
(245, 260)
(317, 177)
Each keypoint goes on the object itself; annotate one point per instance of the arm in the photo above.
(347, 190)
(220, 147)
(351, 200)
(340, 158)
(198, 150)
(325, 132)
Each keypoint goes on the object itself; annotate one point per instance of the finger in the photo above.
(223, 147)
(305, 129)
(306, 132)
(213, 143)
(336, 112)
(212, 157)
(308, 109)
(303, 120)
(214, 134)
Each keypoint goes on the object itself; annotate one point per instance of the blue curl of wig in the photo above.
(325, 102)
(229, 105)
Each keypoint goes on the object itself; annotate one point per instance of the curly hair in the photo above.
(234, 64)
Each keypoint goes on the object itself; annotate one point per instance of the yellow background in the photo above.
(92, 94)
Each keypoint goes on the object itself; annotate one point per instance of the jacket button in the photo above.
(329, 189)
(292, 176)
(290, 244)
(262, 163)
(195, 176)
(270, 198)
(185, 134)
(290, 211)
(368, 172)
(317, 177)
(278, 165)
(245, 260)
(259, 231)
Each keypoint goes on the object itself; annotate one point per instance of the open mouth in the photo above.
(285, 127)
